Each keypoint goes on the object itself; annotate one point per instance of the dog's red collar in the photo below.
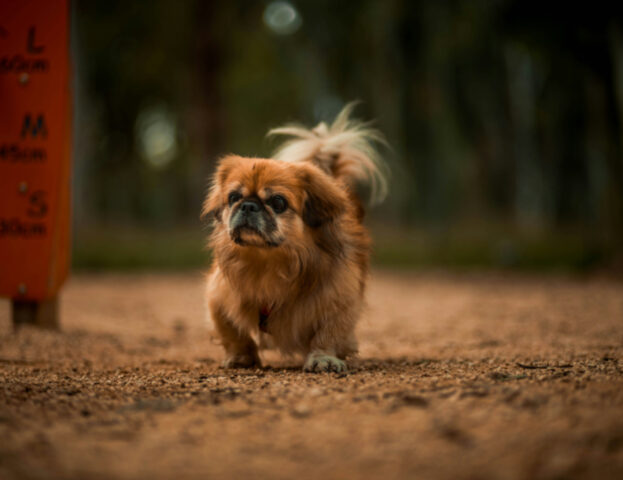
(264, 313)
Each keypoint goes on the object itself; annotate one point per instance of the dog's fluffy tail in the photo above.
(345, 149)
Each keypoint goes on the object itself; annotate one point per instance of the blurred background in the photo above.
(504, 120)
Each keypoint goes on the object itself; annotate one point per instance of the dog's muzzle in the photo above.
(248, 218)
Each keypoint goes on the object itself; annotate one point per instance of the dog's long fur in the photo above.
(303, 269)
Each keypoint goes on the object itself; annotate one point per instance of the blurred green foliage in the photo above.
(504, 117)
(129, 248)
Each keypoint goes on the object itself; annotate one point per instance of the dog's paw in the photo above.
(242, 360)
(319, 362)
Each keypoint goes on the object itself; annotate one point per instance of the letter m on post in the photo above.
(34, 128)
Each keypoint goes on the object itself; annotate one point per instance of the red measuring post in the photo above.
(35, 135)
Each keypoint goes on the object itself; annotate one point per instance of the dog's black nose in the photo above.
(249, 206)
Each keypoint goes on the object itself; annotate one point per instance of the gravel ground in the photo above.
(459, 376)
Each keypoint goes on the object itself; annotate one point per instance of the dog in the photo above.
(290, 252)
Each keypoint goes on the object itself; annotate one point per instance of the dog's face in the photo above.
(263, 203)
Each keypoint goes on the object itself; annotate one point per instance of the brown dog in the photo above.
(290, 251)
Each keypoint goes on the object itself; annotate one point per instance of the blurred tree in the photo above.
(504, 112)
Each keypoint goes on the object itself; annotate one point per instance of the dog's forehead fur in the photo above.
(262, 176)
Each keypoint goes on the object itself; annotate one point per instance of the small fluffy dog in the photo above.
(290, 251)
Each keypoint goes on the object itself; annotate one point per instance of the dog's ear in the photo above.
(213, 203)
(325, 200)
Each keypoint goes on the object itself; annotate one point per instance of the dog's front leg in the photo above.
(326, 348)
(240, 349)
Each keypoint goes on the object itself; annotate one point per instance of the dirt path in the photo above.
(459, 377)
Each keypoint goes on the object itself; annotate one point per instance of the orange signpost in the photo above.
(35, 129)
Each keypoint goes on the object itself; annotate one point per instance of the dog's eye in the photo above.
(278, 203)
(233, 198)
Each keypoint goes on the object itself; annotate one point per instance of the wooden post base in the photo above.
(42, 314)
